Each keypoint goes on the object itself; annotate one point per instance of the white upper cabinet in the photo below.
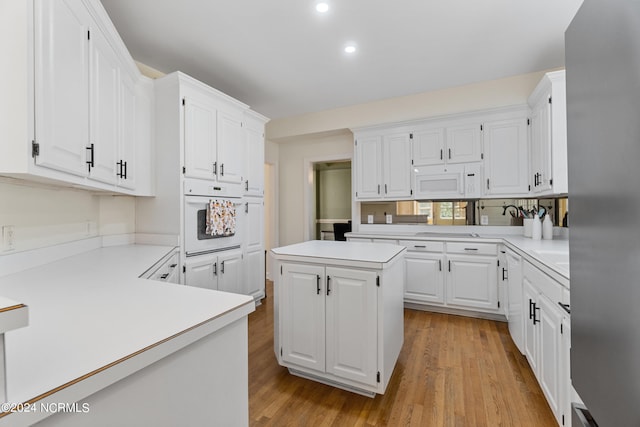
(396, 165)
(214, 140)
(506, 161)
(104, 107)
(254, 125)
(428, 146)
(548, 158)
(61, 86)
(80, 123)
(231, 145)
(201, 138)
(463, 143)
(383, 166)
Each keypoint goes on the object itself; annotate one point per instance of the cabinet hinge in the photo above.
(35, 149)
(281, 270)
(410, 136)
(280, 351)
(550, 100)
(378, 281)
(184, 268)
(411, 162)
(481, 127)
(528, 122)
(481, 156)
(184, 169)
(561, 329)
(378, 377)
(529, 188)
(498, 263)
(411, 192)
(551, 182)
(183, 101)
(356, 142)
(498, 304)
(356, 194)
(88, 34)
(562, 419)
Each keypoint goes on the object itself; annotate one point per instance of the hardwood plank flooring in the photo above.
(452, 371)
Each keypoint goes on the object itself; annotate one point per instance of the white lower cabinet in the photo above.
(254, 257)
(472, 281)
(220, 271)
(329, 318)
(450, 274)
(547, 342)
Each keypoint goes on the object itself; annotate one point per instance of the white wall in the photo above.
(326, 133)
(45, 215)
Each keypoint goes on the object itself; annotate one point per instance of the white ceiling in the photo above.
(283, 58)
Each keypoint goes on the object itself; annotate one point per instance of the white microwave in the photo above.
(447, 181)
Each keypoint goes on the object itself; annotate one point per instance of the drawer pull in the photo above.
(470, 249)
(164, 276)
(420, 246)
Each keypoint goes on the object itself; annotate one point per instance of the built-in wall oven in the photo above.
(198, 239)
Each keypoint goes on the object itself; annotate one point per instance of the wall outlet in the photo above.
(8, 243)
(484, 219)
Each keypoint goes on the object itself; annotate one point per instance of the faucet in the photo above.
(504, 211)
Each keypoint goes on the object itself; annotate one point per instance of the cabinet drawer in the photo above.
(422, 246)
(543, 283)
(472, 248)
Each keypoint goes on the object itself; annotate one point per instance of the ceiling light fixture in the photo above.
(350, 48)
(322, 6)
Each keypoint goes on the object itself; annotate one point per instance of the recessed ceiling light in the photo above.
(350, 48)
(322, 6)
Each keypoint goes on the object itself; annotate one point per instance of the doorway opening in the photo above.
(333, 201)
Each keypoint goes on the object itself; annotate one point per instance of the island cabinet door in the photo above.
(303, 315)
(352, 327)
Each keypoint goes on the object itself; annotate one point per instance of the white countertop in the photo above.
(89, 310)
(348, 252)
(552, 255)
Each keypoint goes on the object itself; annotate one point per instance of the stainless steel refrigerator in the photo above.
(603, 113)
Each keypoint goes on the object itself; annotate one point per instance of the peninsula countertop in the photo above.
(90, 311)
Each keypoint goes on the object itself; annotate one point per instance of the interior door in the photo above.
(352, 326)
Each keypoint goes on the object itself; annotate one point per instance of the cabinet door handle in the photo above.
(449, 266)
(215, 168)
(385, 189)
(378, 188)
(441, 154)
(125, 170)
(439, 265)
(531, 304)
(318, 284)
(487, 183)
(504, 271)
(449, 153)
(91, 163)
(246, 207)
(164, 276)
(222, 267)
(328, 285)
(535, 318)
(222, 169)
(215, 268)
(119, 173)
(246, 185)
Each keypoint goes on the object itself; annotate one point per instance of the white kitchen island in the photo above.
(103, 347)
(338, 312)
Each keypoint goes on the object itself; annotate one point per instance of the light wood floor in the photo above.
(452, 371)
